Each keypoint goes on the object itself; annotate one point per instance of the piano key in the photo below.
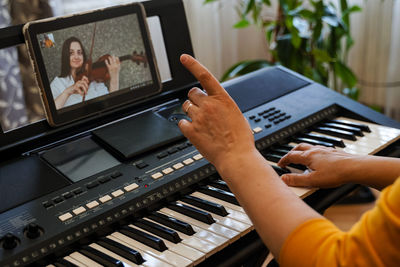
(158, 230)
(149, 240)
(202, 240)
(273, 157)
(215, 228)
(354, 130)
(221, 185)
(219, 201)
(280, 171)
(112, 254)
(149, 259)
(167, 255)
(286, 147)
(312, 141)
(335, 132)
(278, 151)
(84, 260)
(129, 254)
(363, 127)
(169, 221)
(100, 257)
(185, 251)
(205, 205)
(333, 140)
(377, 130)
(233, 224)
(64, 263)
(192, 212)
(73, 261)
(236, 212)
(218, 193)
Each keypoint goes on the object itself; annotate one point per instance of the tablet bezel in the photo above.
(96, 106)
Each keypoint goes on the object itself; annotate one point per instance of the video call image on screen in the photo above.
(96, 59)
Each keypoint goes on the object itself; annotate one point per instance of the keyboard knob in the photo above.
(9, 241)
(33, 231)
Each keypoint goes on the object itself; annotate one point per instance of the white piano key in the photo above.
(232, 235)
(166, 255)
(150, 261)
(180, 248)
(85, 260)
(126, 262)
(73, 261)
(202, 240)
(227, 221)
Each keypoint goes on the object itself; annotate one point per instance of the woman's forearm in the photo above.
(273, 208)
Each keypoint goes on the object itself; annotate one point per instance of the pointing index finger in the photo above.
(207, 80)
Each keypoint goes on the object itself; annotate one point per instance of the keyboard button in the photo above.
(117, 193)
(198, 157)
(157, 175)
(65, 216)
(167, 170)
(162, 155)
(178, 166)
(116, 174)
(92, 184)
(67, 195)
(188, 161)
(131, 187)
(79, 210)
(92, 204)
(105, 198)
(140, 164)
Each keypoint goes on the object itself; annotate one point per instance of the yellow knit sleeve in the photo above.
(373, 241)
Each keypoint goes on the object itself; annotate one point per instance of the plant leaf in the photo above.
(242, 24)
(345, 74)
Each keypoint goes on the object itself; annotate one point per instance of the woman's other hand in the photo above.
(218, 129)
(80, 87)
(113, 65)
(328, 167)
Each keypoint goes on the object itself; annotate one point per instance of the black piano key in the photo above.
(335, 132)
(333, 140)
(158, 230)
(100, 257)
(221, 185)
(298, 166)
(205, 205)
(286, 147)
(192, 212)
(278, 151)
(280, 171)
(122, 250)
(218, 193)
(145, 238)
(64, 263)
(312, 141)
(354, 130)
(363, 127)
(272, 157)
(173, 223)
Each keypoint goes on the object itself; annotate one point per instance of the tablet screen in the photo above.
(92, 62)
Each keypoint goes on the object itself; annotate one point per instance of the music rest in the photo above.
(137, 135)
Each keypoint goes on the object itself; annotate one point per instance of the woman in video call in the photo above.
(67, 90)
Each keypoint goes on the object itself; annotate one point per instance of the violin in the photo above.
(98, 71)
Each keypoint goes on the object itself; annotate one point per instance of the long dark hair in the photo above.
(65, 56)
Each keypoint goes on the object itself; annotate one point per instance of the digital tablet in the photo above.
(92, 62)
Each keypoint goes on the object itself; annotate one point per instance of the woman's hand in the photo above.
(80, 87)
(113, 65)
(328, 167)
(218, 129)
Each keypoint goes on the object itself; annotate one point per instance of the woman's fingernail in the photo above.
(184, 58)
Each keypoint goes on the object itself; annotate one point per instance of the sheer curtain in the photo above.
(393, 76)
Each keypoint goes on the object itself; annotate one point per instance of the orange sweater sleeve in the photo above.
(372, 241)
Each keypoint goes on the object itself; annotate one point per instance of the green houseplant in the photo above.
(310, 37)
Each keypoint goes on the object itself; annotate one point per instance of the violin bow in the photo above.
(90, 54)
